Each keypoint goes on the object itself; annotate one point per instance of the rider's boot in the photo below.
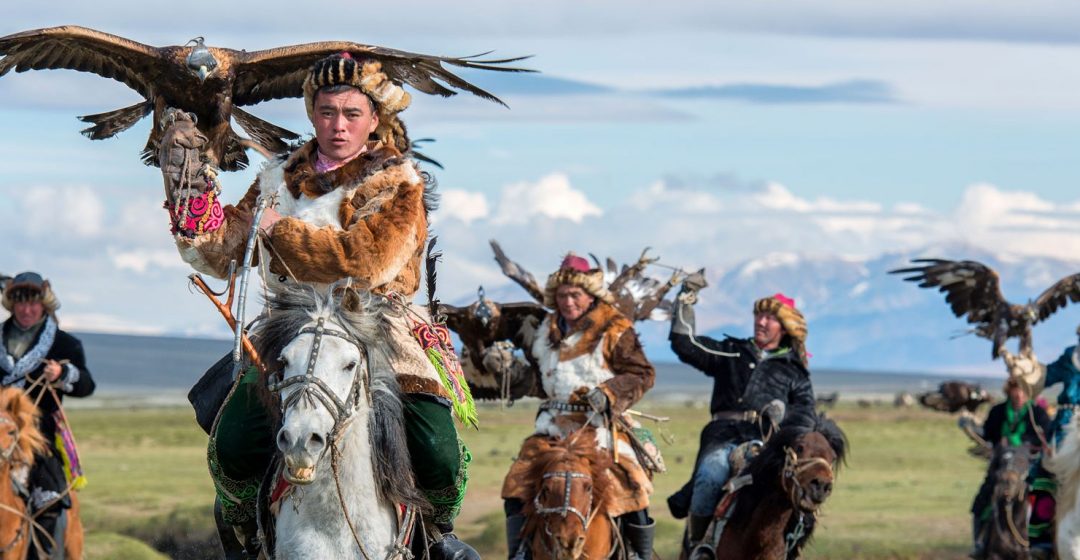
(639, 540)
(978, 549)
(238, 542)
(515, 522)
(448, 547)
(47, 522)
(697, 548)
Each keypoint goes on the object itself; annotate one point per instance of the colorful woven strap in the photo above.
(435, 340)
(198, 215)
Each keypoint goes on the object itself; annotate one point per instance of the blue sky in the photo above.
(713, 131)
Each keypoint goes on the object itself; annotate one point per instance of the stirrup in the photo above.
(701, 551)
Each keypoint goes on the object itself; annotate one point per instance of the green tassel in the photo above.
(464, 408)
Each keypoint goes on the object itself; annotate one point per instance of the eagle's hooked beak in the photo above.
(203, 72)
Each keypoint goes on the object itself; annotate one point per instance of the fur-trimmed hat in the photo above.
(388, 97)
(575, 271)
(790, 318)
(30, 286)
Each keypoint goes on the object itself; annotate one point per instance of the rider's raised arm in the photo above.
(633, 373)
(207, 235)
(383, 241)
(1064, 367)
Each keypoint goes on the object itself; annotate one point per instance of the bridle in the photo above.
(9, 451)
(312, 389)
(5, 457)
(793, 467)
(565, 508)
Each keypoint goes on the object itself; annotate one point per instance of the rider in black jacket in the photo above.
(757, 382)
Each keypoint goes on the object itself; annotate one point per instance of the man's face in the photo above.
(572, 302)
(1017, 396)
(343, 121)
(28, 313)
(767, 331)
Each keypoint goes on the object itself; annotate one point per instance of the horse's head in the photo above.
(807, 454)
(19, 434)
(570, 487)
(323, 378)
(1011, 465)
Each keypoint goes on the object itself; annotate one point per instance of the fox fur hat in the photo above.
(575, 271)
(388, 98)
(30, 286)
(790, 318)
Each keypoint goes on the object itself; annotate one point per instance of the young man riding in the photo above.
(748, 376)
(1014, 422)
(349, 204)
(37, 354)
(590, 361)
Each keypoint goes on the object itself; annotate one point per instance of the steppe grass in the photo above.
(904, 493)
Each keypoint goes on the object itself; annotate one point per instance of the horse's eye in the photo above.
(284, 361)
(350, 366)
(588, 488)
(799, 449)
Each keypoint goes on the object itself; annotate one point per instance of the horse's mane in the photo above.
(1065, 464)
(767, 466)
(583, 447)
(15, 402)
(364, 316)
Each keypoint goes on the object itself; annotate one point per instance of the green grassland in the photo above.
(904, 493)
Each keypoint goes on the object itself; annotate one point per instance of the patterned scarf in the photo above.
(15, 371)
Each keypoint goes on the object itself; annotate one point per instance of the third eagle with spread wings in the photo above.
(973, 291)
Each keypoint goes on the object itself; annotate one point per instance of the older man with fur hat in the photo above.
(36, 355)
(349, 204)
(757, 383)
(591, 365)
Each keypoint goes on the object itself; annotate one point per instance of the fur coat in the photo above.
(366, 220)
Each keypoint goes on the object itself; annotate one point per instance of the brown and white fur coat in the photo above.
(603, 351)
(366, 220)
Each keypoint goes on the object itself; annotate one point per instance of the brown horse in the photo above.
(20, 439)
(774, 517)
(566, 515)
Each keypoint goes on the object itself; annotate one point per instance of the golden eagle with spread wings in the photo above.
(490, 331)
(973, 291)
(213, 83)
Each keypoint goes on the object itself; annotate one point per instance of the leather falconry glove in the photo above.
(191, 188)
(683, 320)
(598, 400)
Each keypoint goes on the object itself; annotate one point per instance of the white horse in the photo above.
(349, 471)
(1065, 464)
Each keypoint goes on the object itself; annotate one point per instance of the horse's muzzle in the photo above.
(819, 490)
(301, 456)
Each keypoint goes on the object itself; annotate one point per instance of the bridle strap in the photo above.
(7, 452)
(793, 467)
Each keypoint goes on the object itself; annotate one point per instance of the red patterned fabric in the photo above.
(202, 214)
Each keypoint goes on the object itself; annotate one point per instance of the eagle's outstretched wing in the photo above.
(279, 72)
(86, 50)
(972, 289)
(1057, 296)
(515, 272)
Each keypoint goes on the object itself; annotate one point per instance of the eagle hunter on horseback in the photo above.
(351, 204)
(591, 368)
(1016, 426)
(48, 363)
(757, 384)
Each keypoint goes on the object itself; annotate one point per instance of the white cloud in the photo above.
(462, 205)
(551, 197)
(141, 260)
(69, 211)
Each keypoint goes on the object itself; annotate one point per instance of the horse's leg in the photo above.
(73, 532)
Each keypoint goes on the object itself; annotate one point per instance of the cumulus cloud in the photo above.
(462, 205)
(69, 211)
(551, 197)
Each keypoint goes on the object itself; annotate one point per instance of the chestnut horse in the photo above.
(774, 517)
(566, 514)
(20, 439)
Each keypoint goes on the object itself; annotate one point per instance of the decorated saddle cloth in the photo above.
(632, 483)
